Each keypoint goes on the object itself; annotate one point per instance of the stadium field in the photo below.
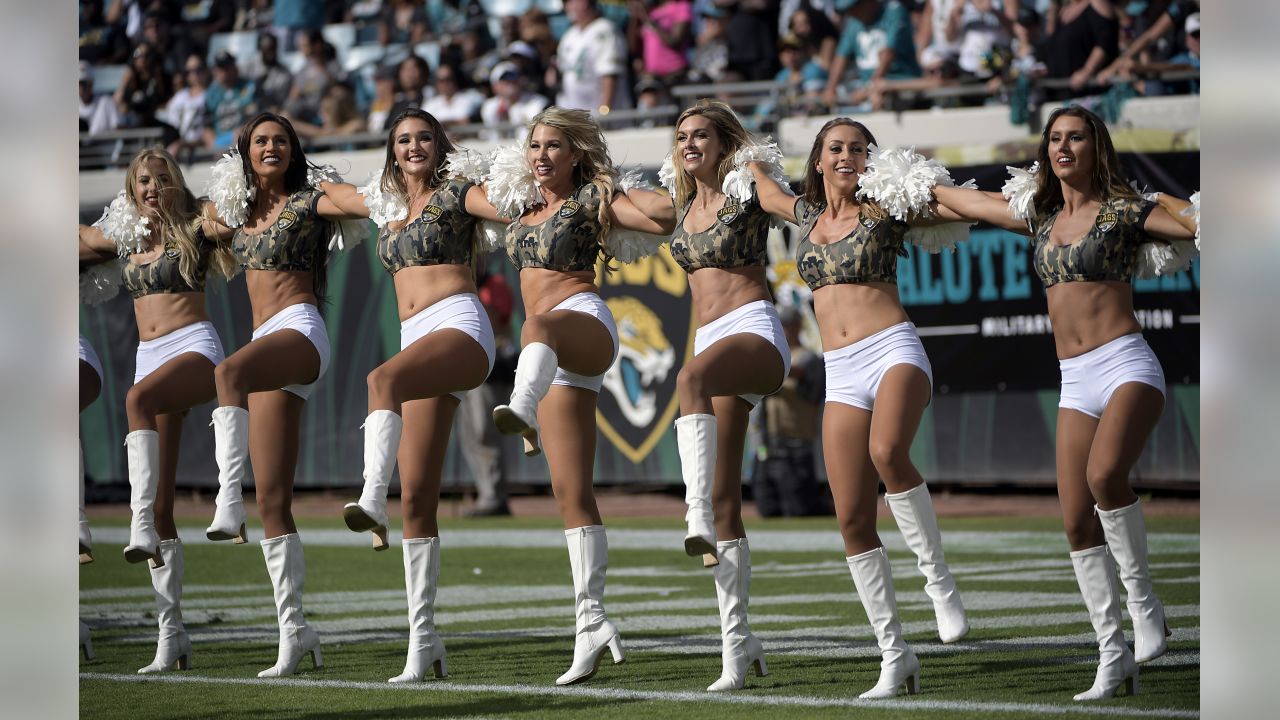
(504, 609)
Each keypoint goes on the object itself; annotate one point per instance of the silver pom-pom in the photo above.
(901, 181)
(384, 207)
(100, 282)
(317, 174)
(230, 190)
(740, 182)
(632, 179)
(466, 165)
(510, 185)
(667, 174)
(1194, 211)
(1020, 191)
(627, 246)
(122, 224)
(1165, 258)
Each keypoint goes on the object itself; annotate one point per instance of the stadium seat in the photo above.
(241, 44)
(429, 51)
(341, 35)
(107, 78)
(359, 56)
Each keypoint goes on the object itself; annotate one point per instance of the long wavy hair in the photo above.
(178, 217)
(729, 132)
(815, 189)
(392, 176)
(595, 166)
(1108, 178)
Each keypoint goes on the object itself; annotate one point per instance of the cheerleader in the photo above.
(156, 226)
(1090, 233)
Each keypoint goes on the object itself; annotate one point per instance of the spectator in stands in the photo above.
(100, 41)
(535, 29)
(817, 31)
(229, 101)
(1191, 58)
(711, 51)
(200, 21)
(338, 114)
(256, 15)
(315, 77)
(452, 103)
(1084, 40)
(752, 34)
(384, 98)
(876, 44)
(664, 32)
(291, 17)
(473, 54)
(788, 8)
(172, 49)
(592, 62)
(512, 101)
(186, 110)
(128, 14)
(412, 73)
(144, 88)
(273, 80)
(800, 73)
(450, 18)
(97, 112)
(1173, 18)
(651, 93)
(403, 21)
(984, 34)
(931, 28)
(531, 65)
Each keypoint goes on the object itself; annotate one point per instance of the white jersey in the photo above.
(586, 55)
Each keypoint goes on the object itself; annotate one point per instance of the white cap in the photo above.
(1193, 23)
(501, 69)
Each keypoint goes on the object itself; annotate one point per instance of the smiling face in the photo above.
(698, 147)
(269, 150)
(414, 144)
(551, 156)
(151, 180)
(843, 158)
(1072, 148)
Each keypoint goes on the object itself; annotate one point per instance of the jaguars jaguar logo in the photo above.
(171, 251)
(870, 216)
(570, 208)
(431, 213)
(1107, 221)
(645, 358)
(286, 219)
(729, 213)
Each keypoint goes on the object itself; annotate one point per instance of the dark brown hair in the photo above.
(815, 189)
(1108, 178)
(392, 176)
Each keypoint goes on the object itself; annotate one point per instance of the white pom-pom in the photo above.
(493, 235)
(901, 181)
(466, 165)
(384, 207)
(1020, 191)
(122, 224)
(740, 182)
(230, 190)
(510, 185)
(1194, 211)
(317, 174)
(667, 174)
(100, 282)
(1162, 258)
(632, 179)
(630, 245)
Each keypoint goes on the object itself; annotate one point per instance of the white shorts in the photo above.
(591, 304)
(456, 312)
(854, 371)
(197, 338)
(89, 356)
(305, 318)
(1089, 380)
(756, 318)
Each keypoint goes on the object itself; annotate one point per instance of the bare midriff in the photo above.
(543, 289)
(271, 291)
(162, 313)
(849, 312)
(1088, 315)
(719, 291)
(421, 286)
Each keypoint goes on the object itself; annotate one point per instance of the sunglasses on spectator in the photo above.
(1195, 34)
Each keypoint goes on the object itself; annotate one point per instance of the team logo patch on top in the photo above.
(287, 219)
(729, 213)
(870, 216)
(171, 251)
(431, 213)
(1107, 221)
(570, 208)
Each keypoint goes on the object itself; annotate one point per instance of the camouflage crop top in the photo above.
(297, 240)
(162, 275)
(737, 238)
(441, 235)
(568, 241)
(868, 254)
(1109, 251)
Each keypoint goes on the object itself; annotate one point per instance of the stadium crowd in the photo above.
(336, 68)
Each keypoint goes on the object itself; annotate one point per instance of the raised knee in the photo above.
(889, 456)
(379, 380)
(689, 382)
(138, 402)
(226, 376)
(534, 330)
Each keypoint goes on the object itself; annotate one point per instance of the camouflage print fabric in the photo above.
(568, 241)
(441, 235)
(163, 275)
(868, 254)
(737, 238)
(297, 240)
(1109, 251)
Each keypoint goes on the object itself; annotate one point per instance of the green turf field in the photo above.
(505, 612)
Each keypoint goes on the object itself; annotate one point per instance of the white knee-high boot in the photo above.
(143, 449)
(174, 646)
(1096, 575)
(288, 571)
(588, 560)
(381, 441)
(739, 648)
(231, 451)
(421, 572)
(696, 442)
(898, 664)
(913, 511)
(1126, 533)
(535, 370)
(86, 539)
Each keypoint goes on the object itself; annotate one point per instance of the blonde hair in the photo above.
(178, 217)
(595, 166)
(730, 133)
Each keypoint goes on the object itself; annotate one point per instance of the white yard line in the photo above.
(963, 707)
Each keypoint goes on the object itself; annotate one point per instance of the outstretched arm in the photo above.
(341, 202)
(94, 246)
(1174, 206)
(624, 214)
(774, 198)
(478, 205)
(974, 205)
(654, 204)
(215, 228)
(1165, 224)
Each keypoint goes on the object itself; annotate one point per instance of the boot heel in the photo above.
(912, 683)
(317, 658)
(710, 560)
(762, 669)
(441, 668)
(155, 561)
(184, 662)
(241, 538)
(615, 647)
(379, 536)
(86, 556)
(531, 448)
(1131, 684)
